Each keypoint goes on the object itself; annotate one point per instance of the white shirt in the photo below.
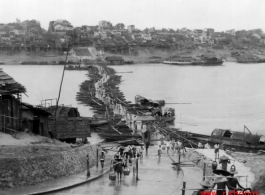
(216, 146)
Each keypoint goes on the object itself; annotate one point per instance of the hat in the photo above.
(220, 179)
(221, 172)
(206, 183)
(233, 172)
(224, 157)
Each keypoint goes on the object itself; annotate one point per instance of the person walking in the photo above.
(206, 185)
(173, 144)
(87, 165)
(216, 150)
(119, 164)
(224, 160)
(159, 152)
(102, 158)
(233, 182)
(221, 183)
(168, 146)
(126, 152)
(121, 149)
(146, 146)
(134, 152)
(200, 145)
(134, 164)
(141, 151)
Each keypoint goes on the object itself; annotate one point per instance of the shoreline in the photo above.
(144, 57)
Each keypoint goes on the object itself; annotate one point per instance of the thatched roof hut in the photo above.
(8, 85)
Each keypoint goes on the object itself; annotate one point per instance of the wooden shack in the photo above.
(35, 120)
(69, 125)
(10, 103)
(115, 60)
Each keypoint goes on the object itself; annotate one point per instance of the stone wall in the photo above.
(199, 160)
(39, 168)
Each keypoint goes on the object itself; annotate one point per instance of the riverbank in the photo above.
(144, 56)
(28, 159)
(15, 59)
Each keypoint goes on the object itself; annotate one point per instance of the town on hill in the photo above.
(21, 41)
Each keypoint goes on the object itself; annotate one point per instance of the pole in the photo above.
(88, 168)
(183, 188)
(4, 123)
(61, 86)
(179, 159)
(204, 171)
(137, 169)
(247, 181)
(97, 156)
(180, 122)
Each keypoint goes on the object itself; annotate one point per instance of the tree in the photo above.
(120, 26)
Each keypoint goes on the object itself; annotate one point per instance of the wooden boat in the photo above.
(134, 142)
(238, 141)
(248, 58)
(98, 123)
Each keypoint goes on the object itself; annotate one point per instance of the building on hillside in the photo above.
(131, 28)
(89, 28)
(151, 30)
(105, 34)
(115, 60)
(2, 26)
(231, 32)
(30, 24)
(60, 27)
(146, 37)
(103, 24)
(84, 53)
(10, 103)
(35, 120)
(256, 36)
(69, 124)
(207, 34)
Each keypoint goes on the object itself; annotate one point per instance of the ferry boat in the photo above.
(204, 60)
(179, 60)
(249, 58)
(238, 141)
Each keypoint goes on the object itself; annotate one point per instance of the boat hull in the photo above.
(98, 123)
(194, 63)
(227, 145)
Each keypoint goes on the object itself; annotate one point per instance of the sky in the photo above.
(193, 14)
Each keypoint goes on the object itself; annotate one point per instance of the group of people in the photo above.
(125, 157)
(225, 180)
(174, 146)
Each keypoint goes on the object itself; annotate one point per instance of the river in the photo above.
(227, 97)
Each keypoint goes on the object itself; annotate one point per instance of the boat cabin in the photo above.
(238, 140)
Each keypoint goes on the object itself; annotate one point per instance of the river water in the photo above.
(227, 97)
